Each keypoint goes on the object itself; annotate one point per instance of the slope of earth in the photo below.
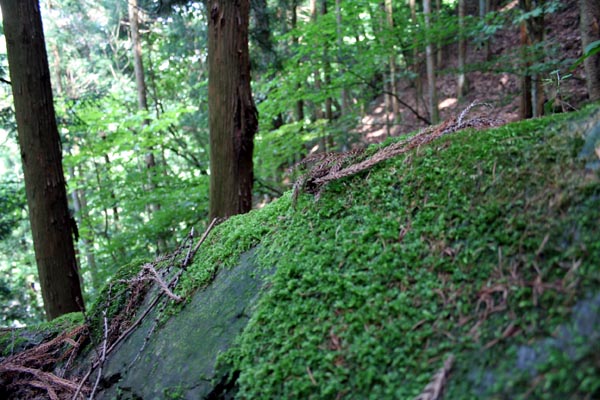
(495, 81)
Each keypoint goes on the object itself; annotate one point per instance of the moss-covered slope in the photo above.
(480, 245)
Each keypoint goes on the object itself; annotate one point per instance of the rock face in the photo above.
(178, 360)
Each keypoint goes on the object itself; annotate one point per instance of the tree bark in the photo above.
(233, 118)
(295, 41)
(416, 62)
(532, 35)
(590, 32)
(525, 106)
(433, 102)
(52, 226)
(389, 14)
(142, 94)
(462, 83)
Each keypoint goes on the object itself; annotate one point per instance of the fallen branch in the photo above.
(435, 387)
(328, 166)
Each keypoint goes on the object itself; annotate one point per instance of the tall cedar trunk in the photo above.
(525, 107)
(51, 225)
(416, 63)
(140, 81)
(327, 70)
(484, 8)
(433, 103)
(532, 35)
(439, 49)
(318, 111)
(590, 32)
(295, 40)
(462, 83)
(345, 102)
(389, 14)
(233, 117)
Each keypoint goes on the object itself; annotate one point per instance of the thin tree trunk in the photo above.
(462, 83)
(533, 29)
(327, 75)
(140, 81)
(52, 226)
(88, 243)
(438, 44)
(416, 64)
(389, 13)
(300, 102)
(525, 107)
(233, 118)
(484, 8)
(433, 102)
(344, 105)
(314, 15)
(590, 32)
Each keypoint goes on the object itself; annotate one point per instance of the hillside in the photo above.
(496, 81)
(478, 251)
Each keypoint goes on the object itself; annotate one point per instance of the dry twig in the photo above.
(435, 387)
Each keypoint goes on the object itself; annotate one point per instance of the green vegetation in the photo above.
(15, 340)
(474, 245)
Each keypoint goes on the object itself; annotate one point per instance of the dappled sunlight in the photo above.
(449, 102)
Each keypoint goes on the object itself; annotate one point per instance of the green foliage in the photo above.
(12, 205)
(590, 50)
(426, 255)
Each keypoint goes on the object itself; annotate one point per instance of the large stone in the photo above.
(178, 361)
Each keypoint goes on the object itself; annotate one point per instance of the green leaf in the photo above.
(590, 50)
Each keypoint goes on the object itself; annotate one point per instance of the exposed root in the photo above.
(26, 374)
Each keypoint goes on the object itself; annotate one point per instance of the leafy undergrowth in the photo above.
(477, 245)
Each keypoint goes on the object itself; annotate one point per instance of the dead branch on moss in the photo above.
(102, 355)
(156, 278)
(327, 167)
(435, 387)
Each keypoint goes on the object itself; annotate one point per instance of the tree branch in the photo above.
(372, 85)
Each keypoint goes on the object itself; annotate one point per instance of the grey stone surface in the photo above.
(179, 359)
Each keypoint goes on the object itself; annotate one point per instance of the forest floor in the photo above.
(497, 87)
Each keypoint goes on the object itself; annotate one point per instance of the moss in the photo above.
(473, 245)
(16, 340)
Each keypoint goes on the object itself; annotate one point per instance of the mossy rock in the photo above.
(482, 244)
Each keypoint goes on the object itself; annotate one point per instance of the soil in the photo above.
(500, 85)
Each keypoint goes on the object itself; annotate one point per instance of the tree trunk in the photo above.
(295, 40)
(484, 8)
(532, 35)
(438, 43)
(389, 13)
(590, 32)
(433, 103)
(345, 103)
(416, 63)
(327, 76)
(140, 81)
(233, 118)
(525, 107)
(318, 110)
(51, 225)
(462, 83)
